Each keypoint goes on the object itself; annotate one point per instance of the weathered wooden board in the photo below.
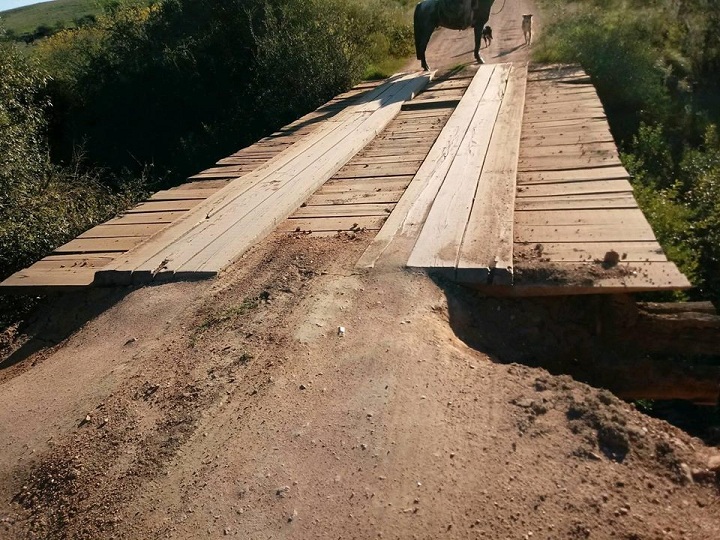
(614, 172)
(409, 215)
(568, 280)
(164, 206)
(180, 194)
(437, 103)
(332, 224)
(123, 230)
(99, 245)
(362, 160)
(146, 218)
(614, 217)
(355, 197)
(365, 185)
(628, 251)
(577, 202)
(594, 187)
(582, 233)
(214, 185)
(588, 149)
(533, 140)
(70, 262)
(38, 281)
(344, 210)
(438, 245)
(487, 243)
(536, 163)
(385, 169)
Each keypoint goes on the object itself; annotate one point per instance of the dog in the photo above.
(527, 28)
(487, 36)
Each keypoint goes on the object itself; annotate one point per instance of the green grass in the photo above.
(26, 19)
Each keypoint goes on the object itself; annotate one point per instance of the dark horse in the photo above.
(453, 14)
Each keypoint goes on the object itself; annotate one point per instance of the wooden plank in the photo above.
(164, 206)
(424, 114)
(146, 218)
(72, 262)
(213, 245)
(589, 278)
(407, 137)
(582, 233)
(412, 209)
(343, 210)
(396, 158)
(562, 118)
(207, 184)
(615, 172)
(538, 91)
(123, 230)
(364, 185)
(565, 139)
(437, 103)
(431, 94)
(596, 202)
(381, 169)
(180, 194)
(626, 216)
(355, 197)
(543, 163)
(602, 149)
(97, 245)
(220, 174)
(488, 240)
(595, 187)
(438, 244)
(589, 251)
(374, 151)
(590, 105)
(593, 128)
(47, 280)
(332, 224)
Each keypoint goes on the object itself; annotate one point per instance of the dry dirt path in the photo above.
(234, 408)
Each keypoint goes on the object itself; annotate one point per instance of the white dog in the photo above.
(527, 28)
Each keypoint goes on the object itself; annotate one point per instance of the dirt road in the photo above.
(236, 408)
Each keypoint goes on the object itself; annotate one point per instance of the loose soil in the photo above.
(239, 408)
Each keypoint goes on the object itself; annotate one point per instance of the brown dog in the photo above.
(527, 28)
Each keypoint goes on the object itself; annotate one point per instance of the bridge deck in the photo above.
(504, 179)
(537, 203)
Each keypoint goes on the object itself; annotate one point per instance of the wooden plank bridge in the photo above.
(505, 178)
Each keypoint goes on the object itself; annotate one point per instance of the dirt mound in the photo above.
(247, 414)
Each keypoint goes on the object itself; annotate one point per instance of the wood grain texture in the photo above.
(488, 239)
(438, 244)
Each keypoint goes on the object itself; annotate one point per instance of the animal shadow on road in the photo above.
(509, 51)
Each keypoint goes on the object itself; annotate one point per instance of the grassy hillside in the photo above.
(26, 19)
